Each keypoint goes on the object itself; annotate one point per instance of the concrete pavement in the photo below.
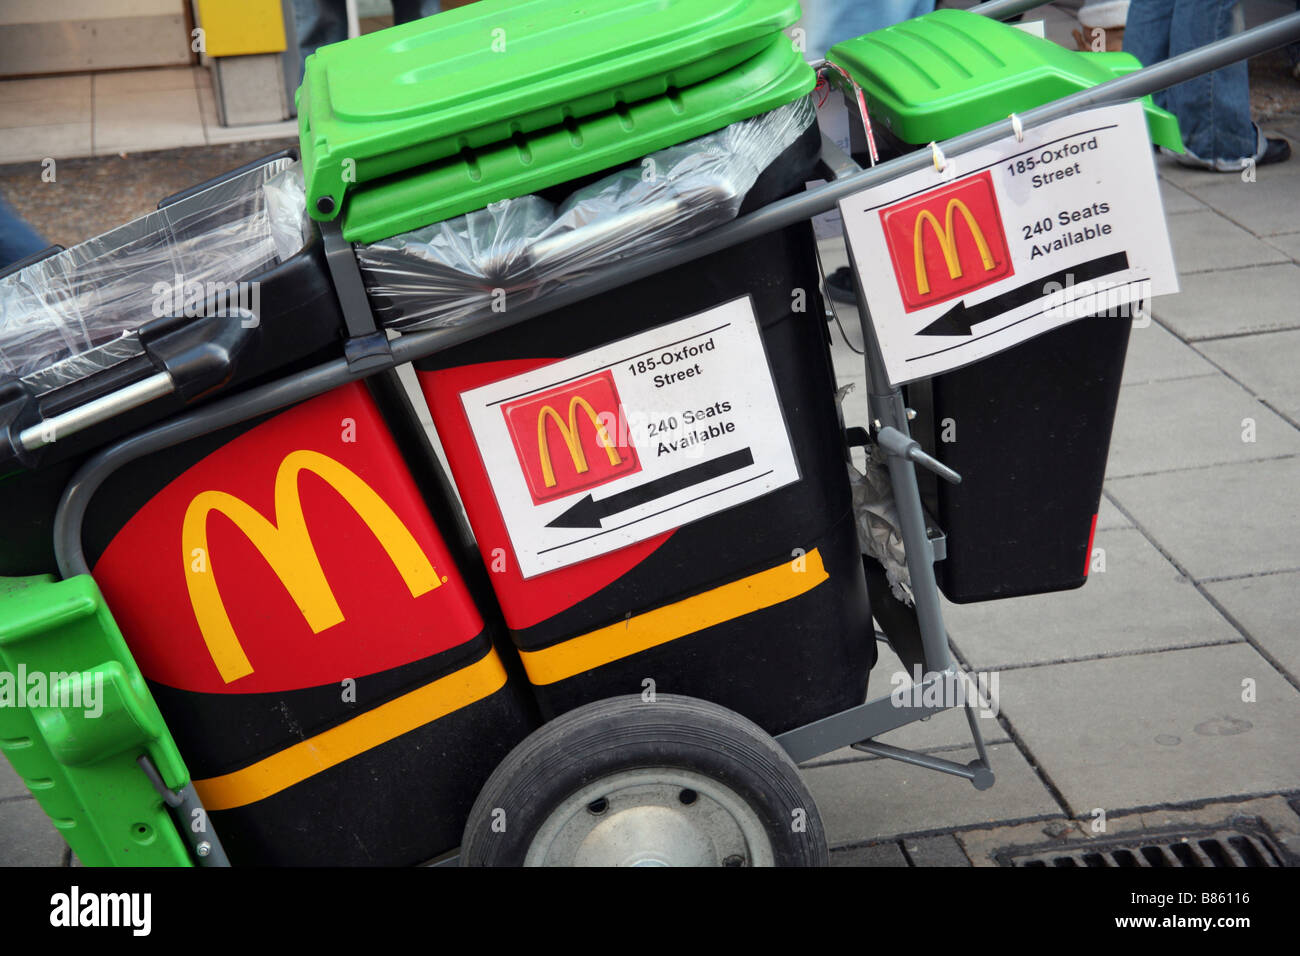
(1126, 696)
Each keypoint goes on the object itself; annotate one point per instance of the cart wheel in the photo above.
(625, 782)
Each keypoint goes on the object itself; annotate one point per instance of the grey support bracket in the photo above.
(366, 347)
(899, 445)
(858, 726)
(978, 771)
(203, 841)
(875, 717)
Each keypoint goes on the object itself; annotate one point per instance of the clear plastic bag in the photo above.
(879, 527)
(64, 317)
(521, 249)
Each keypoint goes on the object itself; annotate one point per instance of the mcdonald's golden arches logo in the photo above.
(946, 242)
(571, 438)
(285, 543)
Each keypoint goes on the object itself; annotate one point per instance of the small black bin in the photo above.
(1028, 430)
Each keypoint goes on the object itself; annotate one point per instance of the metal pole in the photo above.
(1003, 9)
(885, 404)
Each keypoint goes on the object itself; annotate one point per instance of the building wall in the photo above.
(70, 36)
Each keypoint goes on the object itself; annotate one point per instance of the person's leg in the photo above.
(1146, 34)
(316, 23)
(827, 22)
(18, 240)
(1213, 109)
(404, 11)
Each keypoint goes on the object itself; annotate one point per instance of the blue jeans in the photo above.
(1213, 109)
(318, 22)
(17, 239)
(827, 22)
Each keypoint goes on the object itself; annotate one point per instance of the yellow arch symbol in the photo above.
(946, 242)
(287, 547)
(569, 432)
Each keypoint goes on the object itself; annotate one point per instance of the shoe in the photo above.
(1275, 151)
(839, 286)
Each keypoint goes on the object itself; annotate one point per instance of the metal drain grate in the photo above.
(1200, 848)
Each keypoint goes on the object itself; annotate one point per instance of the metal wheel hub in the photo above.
(652, 817)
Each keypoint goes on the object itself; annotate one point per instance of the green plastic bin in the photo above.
(416, 124)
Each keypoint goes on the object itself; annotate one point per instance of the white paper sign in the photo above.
(618, 444)
(1011, 241)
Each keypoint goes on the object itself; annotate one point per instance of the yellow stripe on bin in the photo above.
(644, 631)
(295, 764)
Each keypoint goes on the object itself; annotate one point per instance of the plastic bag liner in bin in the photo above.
(527, 247)
(72, 314)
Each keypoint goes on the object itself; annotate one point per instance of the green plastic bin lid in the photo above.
(952, 71)
(414, 124)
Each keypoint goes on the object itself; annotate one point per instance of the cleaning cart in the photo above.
(273, 628)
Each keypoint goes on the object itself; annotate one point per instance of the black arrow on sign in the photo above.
(961, 318)
(588, 512)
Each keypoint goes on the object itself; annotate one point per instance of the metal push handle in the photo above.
(48, 430)
(1004, 9)
(192, 359)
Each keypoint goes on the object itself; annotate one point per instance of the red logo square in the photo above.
(947, 242)
(569, 438)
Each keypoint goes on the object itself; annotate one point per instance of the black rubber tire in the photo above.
(627, 733)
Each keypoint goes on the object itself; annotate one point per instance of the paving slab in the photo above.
(1265, 364)
(1156, 729)
(1289, 243)
(941, 850)
(127, 82)
(1261, 207)
(877, 854)
(1206, 241)
(1268, 607)
(21, 144)
(1155, 354)
(148, 119)
(1222, 521)
(1190, 422)
(872, 799)
(26, 836)
(1110, 517)
(1236, 302)
(1177, 201)
(1139, 603)
(72, 105)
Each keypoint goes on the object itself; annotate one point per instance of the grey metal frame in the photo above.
(859, 725)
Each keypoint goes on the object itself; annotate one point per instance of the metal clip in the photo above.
(940, 162)
(1018, 128)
